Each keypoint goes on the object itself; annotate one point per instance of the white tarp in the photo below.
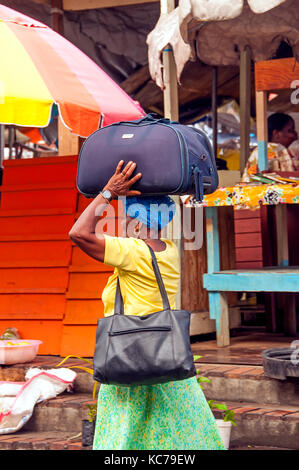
(17, 400)
(218, 10)
(216, 31)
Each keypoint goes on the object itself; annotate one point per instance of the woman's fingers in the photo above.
(118, 168)
(133, 193)
(127, 168)
(127, 171)
(135, 178)
(131, 169)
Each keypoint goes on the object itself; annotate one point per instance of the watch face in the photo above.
(107, 194)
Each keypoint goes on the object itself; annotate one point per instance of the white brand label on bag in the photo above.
(127, 136)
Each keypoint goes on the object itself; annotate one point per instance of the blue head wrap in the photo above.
(153, 211)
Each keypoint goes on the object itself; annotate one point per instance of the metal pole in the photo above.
(10, 140)
(214, 108)
(245, 104)
(171, 111)
(170, 92)
(2, 144)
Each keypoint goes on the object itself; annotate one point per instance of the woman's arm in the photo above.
(83, 231)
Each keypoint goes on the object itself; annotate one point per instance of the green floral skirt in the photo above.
(169, 416)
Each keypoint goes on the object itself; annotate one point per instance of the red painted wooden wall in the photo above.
(248, 239)
(49, 289)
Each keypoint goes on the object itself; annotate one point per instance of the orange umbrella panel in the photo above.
(39, 67)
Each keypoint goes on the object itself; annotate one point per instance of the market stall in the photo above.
(269, 76)
(236, 36)
(49, 289)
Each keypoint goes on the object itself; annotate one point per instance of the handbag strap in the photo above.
(119, 304)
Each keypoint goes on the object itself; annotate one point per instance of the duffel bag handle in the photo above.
(198, 184)
(149, 118)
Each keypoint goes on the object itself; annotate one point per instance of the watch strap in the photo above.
(108, 199)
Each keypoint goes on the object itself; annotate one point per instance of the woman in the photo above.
(172, 415)
(281, 134)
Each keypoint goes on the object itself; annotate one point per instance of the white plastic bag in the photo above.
(17, 399)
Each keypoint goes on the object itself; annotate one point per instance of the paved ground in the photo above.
(234, 368)
(245, 347)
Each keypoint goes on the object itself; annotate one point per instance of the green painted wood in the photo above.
(278, 280)
(262, 155)
(213, 307)
(218, 308)
(219, 312)
(213, 254)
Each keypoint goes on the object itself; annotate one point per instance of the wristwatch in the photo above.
(107, 195)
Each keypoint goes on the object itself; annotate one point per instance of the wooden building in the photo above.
(49, 289)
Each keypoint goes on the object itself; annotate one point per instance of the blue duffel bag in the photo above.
(173, 158)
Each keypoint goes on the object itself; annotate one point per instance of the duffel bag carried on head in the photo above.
(173, 158)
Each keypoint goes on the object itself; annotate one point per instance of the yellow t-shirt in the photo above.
(133, 265)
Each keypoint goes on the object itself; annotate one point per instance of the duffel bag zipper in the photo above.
(182, 143)
(185, 160)
(139, 330)
(183, 151)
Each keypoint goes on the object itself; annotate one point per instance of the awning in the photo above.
(217, 30)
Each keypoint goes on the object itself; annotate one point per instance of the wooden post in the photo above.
(57, 16)
(171, 111)
(68, 143)
(2, 144)
(11, 139)
(212, 240)
(262, 129)
(289, 315)
(218, 306)
(287, 299)
(170, 94)
(245, 104)
(282, 235)
(214, 109)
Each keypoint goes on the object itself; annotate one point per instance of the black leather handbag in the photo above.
(143, 350)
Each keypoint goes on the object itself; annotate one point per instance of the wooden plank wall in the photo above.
(87, 279)
(38, 202)
(194, 264)
(277, 74)
(49, 289)
(248, 239)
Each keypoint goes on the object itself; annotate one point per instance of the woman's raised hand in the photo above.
(120, 183)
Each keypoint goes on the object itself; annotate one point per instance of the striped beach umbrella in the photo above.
(39, 67)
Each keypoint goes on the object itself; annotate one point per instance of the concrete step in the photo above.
(56, 425)
(61, 414)
(258, 448)
(228, 382)
(263, 425)
(28, 440)
(266, 410)
(247, 383)
(84, 382)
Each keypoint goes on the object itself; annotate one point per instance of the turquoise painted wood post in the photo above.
(217, 301)
(257, 280)
(212, 253)
(262, 155)
(282, 235)
(262, 129)
(212, 240)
